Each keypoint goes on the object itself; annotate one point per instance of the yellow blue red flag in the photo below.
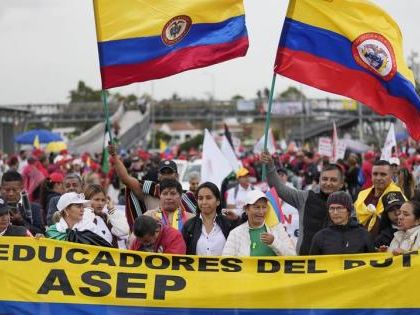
(140, 40)
(352, 48)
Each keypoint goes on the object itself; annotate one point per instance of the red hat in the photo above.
(12, 160)
(56, 177)
(37, 152)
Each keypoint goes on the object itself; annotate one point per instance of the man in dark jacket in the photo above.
(311, 205)
(344, 235)
(22, 212)
(6, 228)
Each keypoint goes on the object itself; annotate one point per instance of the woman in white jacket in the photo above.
(111, 223)
(254, 237)
(407, 239)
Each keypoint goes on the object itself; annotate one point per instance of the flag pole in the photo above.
(103, 92)
(267, 122)
(106, 111)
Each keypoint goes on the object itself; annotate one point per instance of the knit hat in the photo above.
(340, 198)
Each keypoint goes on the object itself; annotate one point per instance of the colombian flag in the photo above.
(352, 48)
(140, 40)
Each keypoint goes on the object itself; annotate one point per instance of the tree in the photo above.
(237, 97)
(175, 97)
(292, 94)
(192, 143)
(85, 94)
(267, 93)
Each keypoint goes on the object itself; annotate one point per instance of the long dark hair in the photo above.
(216, 193)
(407, 184)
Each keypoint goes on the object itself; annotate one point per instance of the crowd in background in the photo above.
(358, 204)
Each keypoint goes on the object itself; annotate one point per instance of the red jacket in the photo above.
(367, 174)
(169, 241)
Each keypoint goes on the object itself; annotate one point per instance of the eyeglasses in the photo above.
(337, 209)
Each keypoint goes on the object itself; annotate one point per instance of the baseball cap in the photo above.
(168, 164)
(4, 208)
(56, 177)
(253, 196)
(392, 199)
(394, 160)
(70, 198)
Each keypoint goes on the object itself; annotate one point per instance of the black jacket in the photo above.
(191, 231)
(13, 230)
(342, 239)
(385, 236)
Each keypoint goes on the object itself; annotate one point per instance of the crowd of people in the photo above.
(358, 205)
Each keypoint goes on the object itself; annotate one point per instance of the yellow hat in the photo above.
(242, 172)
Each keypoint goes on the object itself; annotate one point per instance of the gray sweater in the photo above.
(294, 197)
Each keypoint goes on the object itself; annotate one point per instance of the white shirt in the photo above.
(211, 244)
(239, 201)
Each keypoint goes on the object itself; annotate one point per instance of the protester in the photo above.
(6, 227)
(206, 233)
(311, 205)
(369, 206)
(144, 195)
(407, 239)
(151, 236)
(236, 195)
(366, 170)
(344, 235)
(169, 211)
(32, 179)
(254, 237)
(395, 168)
(392, 202)
(194, 181)
(51, 187)
(111, 223)
(73, 226)
(72, 182)
(22, 212)
(352, 176)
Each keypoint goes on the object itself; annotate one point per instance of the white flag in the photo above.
(229, 154)
(271, 145)
(390, 142)
(215, 167)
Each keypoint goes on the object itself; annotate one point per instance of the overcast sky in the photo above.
(49, 45)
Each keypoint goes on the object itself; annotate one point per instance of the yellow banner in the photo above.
(46, 271)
